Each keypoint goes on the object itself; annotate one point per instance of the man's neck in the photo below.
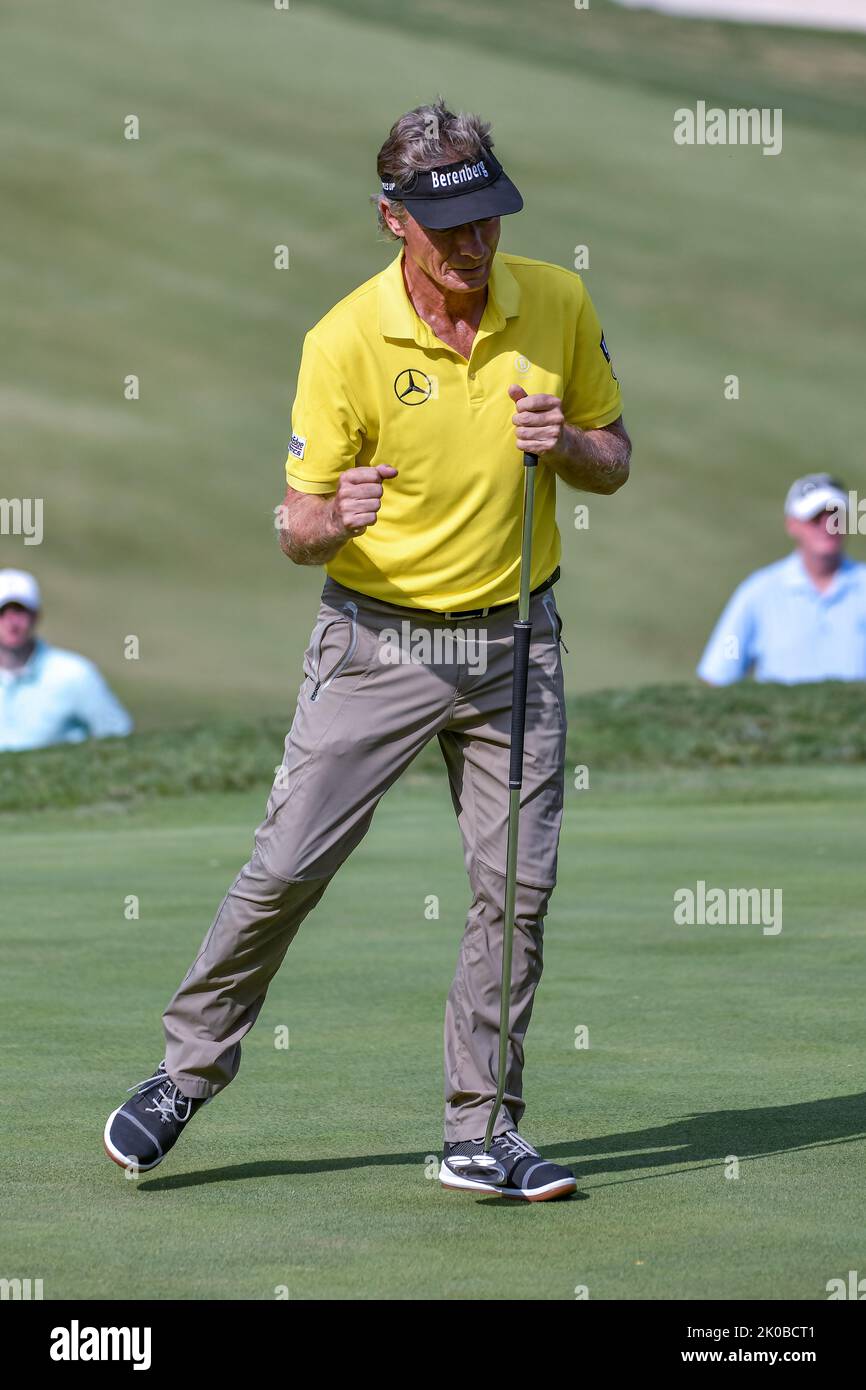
(438, 306)
(822, 570)
(14, 658)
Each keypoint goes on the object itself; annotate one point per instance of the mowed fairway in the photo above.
(312, 1171)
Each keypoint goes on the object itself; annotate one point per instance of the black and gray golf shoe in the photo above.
(512, 1168)
(140, 1133)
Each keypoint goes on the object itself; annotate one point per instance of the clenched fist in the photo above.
(358, 498)
(538, 420)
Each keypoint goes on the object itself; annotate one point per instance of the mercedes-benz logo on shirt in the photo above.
(413, 387)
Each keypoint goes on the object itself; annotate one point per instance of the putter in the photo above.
(484, 1164)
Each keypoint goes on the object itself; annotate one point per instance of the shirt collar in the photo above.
(796, 576)
(31, 666)
(397, 316)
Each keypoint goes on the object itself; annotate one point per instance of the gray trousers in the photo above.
(378, 685)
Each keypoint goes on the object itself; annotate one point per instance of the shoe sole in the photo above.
(560, 1188)
(122, 1160)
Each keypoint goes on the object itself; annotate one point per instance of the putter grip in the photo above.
(522, 634)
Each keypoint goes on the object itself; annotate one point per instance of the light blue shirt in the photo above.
(783, 629)
(58, 697)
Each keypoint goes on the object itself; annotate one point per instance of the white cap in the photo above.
(17, 586)
(815, 493)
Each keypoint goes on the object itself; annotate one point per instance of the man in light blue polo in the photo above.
(47, 695)
(804, 617)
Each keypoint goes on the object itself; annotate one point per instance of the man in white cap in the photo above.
(47, 695)
(804, 617)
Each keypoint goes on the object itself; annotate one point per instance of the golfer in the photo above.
(417, 396)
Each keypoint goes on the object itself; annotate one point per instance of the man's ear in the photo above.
(392, 223)
(792, 527)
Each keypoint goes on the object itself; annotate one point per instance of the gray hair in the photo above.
(421, 139)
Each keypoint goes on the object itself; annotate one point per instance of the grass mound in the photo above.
(655, 727)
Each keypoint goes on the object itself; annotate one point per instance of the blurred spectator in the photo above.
(804, 617)
(46, 695)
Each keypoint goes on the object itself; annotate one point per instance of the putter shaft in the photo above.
(522, 635)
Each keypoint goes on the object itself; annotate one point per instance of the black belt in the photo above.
(404, 610)
(483, 612)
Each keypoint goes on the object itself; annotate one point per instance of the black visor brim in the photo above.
(440, 214)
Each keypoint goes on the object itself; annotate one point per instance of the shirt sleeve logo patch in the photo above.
(297, 445)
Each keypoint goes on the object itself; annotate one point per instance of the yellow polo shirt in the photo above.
(377, 386)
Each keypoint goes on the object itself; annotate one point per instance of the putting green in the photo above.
(312, 1172)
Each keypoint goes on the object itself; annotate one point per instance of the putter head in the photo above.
(479, 1166)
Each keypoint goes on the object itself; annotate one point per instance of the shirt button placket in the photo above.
(473, 386)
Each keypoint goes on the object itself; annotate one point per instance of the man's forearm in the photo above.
(310, 534)
(315, 526)
(592, 460)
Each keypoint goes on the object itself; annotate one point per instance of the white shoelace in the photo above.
(167, 1098)
(516, 1147)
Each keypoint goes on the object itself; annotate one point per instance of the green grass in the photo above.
(815, 76)
(742, 727)
(155, 257)
(257, 128)
(310, 1170)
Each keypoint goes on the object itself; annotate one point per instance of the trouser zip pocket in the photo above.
(322, 683)
(555, 620)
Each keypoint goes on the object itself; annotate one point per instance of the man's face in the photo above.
(17, 625)
(819, 538)
(458, 259)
